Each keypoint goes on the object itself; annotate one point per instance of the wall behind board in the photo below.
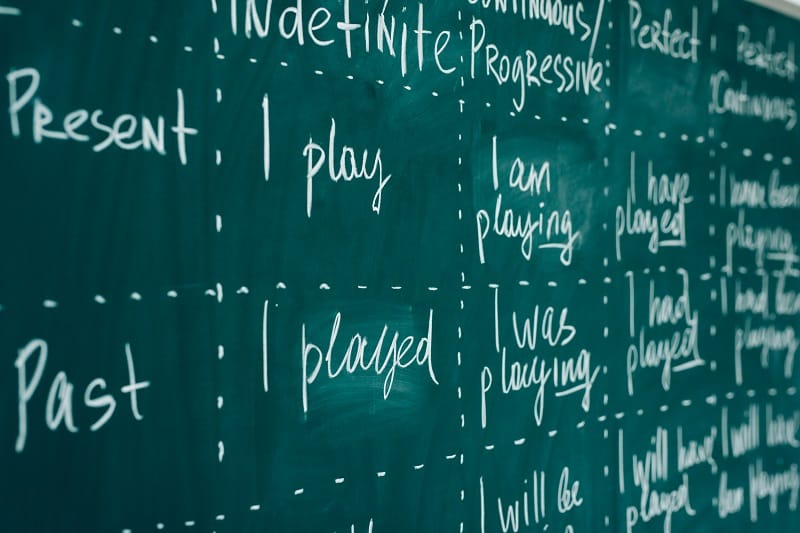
(391, 265)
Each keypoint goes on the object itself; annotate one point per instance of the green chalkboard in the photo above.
(374, 266)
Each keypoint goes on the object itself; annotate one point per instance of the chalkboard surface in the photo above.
(350, 266)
